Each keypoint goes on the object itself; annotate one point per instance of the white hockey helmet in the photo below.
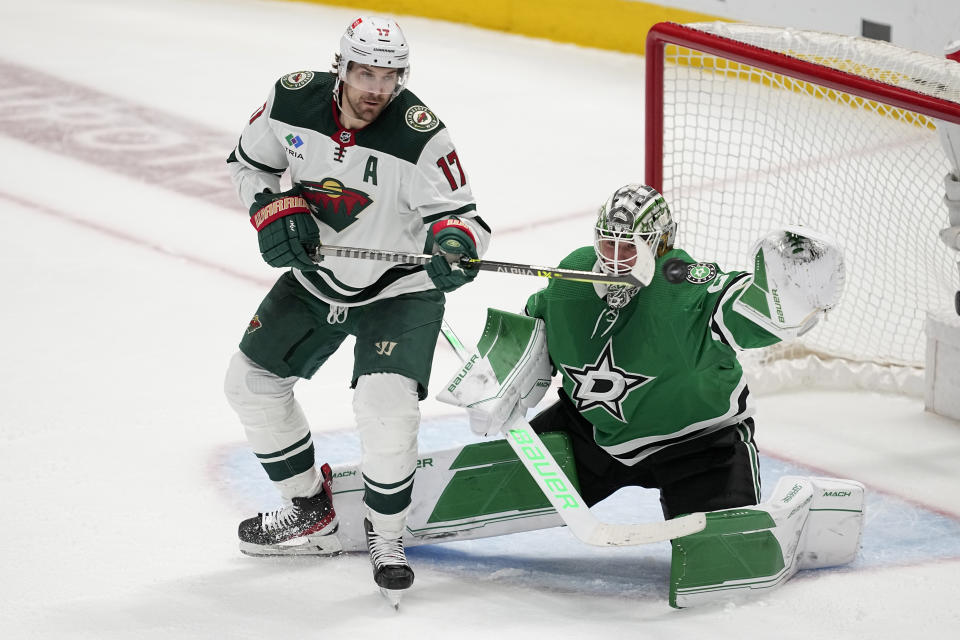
(634, 214)
(377, 42)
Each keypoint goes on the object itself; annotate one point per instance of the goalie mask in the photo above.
(370, 50)
(634, 214)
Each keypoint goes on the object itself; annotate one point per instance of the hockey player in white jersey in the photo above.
(370, 166)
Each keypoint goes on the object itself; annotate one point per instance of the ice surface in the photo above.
(129, 273)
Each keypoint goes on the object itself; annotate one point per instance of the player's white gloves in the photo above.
(798, 274)
(509, 375)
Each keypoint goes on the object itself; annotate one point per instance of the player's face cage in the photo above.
(616, 245)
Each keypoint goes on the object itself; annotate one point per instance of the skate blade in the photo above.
(328, 545)
(393, 596)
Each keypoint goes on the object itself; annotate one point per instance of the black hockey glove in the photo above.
(452, 239)
(285, 228)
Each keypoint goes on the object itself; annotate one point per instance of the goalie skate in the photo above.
(308, 526)
(390, 569)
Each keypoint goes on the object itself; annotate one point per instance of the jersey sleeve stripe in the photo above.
(633, 451)
(718, 329)
(254, 164)
(482, 223)
(446, 214)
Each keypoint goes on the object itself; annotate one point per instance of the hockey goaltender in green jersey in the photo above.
(652, 393)
(646, 379)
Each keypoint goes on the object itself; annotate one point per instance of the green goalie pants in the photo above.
(715, 471)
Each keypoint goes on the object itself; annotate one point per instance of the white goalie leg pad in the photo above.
(509, 373)
(807, 523)
(798, 275)
(475, 491)
(835, 525)
(272, 420)
(387, 411)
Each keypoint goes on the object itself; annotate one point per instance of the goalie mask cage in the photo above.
(749, 128)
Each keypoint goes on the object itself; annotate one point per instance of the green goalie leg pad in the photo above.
(736, 550)
(477, 491)
(808, 522)
(747, 549)
(491, 480)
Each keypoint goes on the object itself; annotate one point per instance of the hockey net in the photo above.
(750, 128)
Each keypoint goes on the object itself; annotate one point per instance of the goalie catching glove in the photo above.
(285, 228)
(508, 374)
(798, 275)
(451, 239)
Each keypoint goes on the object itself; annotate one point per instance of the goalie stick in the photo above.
(567, 501)
(640, 276)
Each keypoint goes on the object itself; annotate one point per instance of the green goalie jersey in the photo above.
(663, 368)
(379, 187)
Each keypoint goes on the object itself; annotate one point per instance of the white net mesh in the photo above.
(746, 151)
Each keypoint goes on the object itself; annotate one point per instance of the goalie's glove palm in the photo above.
(286, 230)
(452, 239)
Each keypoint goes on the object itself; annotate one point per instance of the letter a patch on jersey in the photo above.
(603, 384)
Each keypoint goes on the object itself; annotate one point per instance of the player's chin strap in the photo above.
(564, 497)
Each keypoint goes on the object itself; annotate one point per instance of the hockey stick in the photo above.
(568, 502)
(640, 276)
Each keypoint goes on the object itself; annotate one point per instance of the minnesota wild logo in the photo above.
(419, 118)
(337, 205)
(296, 80)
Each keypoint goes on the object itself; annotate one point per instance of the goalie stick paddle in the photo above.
(567, 501)
(640, 276)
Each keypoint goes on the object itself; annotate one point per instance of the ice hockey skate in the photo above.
(390, 569)
(307, 526)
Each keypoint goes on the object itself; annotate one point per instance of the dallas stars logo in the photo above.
(603, 384)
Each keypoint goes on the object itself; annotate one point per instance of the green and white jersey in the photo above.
(380, 187)
(661, 370)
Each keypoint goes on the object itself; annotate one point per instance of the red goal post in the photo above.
(750, 127)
